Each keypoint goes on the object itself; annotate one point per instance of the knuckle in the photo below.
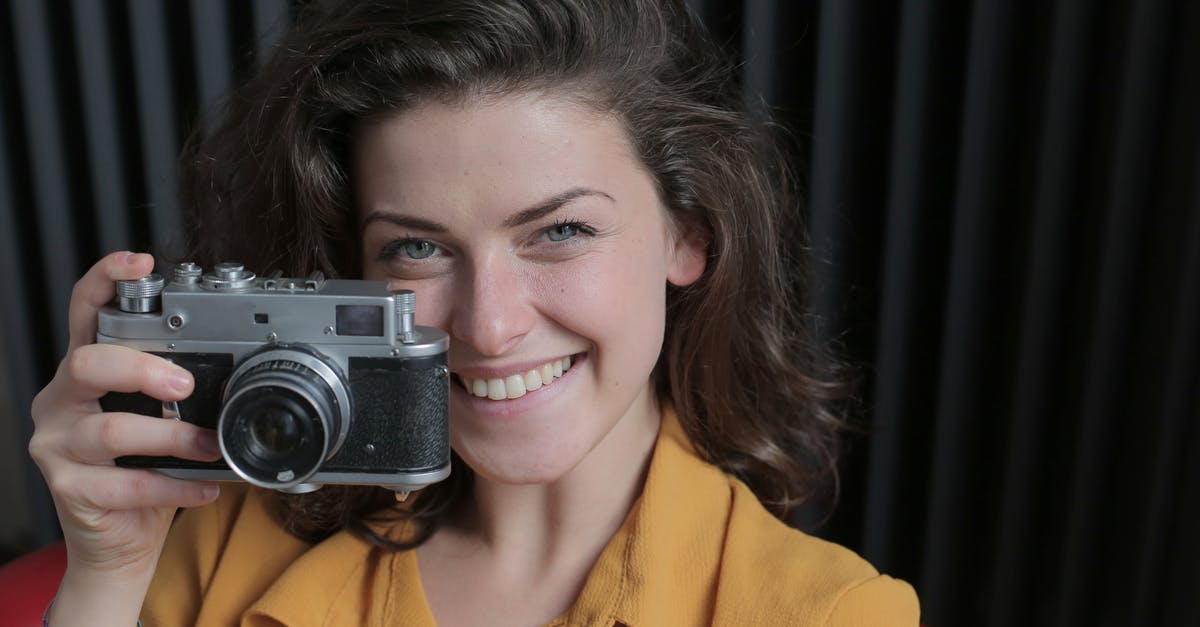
(42, 443)
(78, 364)
(37, 406)
(108, 431)
(181, 439)
(140, 485)
(37, 448)
(60, 483)
(80, 289)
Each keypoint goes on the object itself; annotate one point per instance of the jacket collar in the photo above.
(668, 552)
(662, 566)
(320, 587)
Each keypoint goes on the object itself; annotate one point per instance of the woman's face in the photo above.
(533, 235)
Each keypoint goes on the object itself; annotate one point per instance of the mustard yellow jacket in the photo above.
(696, 549)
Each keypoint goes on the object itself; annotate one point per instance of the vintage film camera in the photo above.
(307, 381)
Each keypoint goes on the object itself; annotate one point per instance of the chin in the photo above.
(525, 456)
(550, 442)
(516, 468)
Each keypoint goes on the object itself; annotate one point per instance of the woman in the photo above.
(568, 187)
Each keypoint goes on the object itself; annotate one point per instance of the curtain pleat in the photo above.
(1140, 110)
(966, 393)
(25, 363)
(105, 143)
(830, 194)
(160, 134)
(270, 21)
(1167, 486)
(922, 154)
(1043, 315)
(851, 90)
(213, 52)
(1003, 204)
(1174, 588)
(52, 183)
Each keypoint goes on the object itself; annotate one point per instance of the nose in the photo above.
(492, 312)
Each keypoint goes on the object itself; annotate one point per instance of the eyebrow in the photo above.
(551, 205)
(525, 216)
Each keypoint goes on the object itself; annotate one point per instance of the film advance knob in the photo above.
(142, 295)
(229, 275)
(187, 273)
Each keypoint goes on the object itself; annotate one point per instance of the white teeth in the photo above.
(533, 380)
(496, 390)
(517, 385)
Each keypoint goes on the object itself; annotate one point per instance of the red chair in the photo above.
(28, 583)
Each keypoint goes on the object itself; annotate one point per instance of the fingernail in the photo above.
(210, 491)
(131, 258)
(179, 379)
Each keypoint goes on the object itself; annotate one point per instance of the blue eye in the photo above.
(408, 249)
(560, 232)
(418, 248)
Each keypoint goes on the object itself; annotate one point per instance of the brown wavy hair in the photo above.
(271, 187)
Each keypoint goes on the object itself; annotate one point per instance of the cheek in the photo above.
(434, 302)
(615, 299)
(433, 306)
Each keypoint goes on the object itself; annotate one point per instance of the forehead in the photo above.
(508, 147)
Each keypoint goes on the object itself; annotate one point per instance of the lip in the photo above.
(514, 406)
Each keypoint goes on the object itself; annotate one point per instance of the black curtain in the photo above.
(1004, 205)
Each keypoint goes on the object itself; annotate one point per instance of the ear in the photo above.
(689, 254)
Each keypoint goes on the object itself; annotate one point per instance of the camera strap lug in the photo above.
(170, 409)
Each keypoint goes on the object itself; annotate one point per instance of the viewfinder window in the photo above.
(360, 320)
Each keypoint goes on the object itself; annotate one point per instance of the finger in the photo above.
(113, 488)
(101, 438)
(93, 370)
(98, 287)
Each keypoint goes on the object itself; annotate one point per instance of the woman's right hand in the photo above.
(114, 520)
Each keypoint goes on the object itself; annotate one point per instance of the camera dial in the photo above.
(143, 295)
(229, 275)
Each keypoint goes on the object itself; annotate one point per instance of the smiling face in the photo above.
(533, 235)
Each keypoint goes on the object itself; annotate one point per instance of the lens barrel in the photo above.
(286, 412)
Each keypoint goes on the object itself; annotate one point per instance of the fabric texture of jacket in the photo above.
(697, 548)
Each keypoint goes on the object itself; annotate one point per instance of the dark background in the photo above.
(1004, 200)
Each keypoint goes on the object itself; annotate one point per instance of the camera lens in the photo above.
(275, 431)
(285, 413)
